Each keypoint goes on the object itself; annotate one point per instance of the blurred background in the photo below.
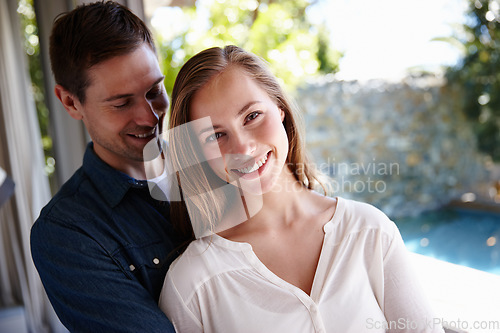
(400, 98)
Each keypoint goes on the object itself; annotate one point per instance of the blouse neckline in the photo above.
(328, 227)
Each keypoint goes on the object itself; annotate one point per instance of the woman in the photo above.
(272, 254)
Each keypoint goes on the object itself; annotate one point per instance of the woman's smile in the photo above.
(253, 170)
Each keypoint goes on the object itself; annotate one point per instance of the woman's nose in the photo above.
(242, 144)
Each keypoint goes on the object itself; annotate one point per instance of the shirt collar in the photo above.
(111, 183)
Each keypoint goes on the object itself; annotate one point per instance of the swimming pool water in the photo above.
(460, 236)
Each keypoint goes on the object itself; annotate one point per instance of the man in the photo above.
(102, 245)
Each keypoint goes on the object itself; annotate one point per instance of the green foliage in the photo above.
(479, 73)
(279, 32)
(32, 48)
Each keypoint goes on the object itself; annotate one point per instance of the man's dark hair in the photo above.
(90, 34)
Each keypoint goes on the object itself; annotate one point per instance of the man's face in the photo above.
(124, 102)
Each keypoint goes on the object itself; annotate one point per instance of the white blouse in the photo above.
(363, 283)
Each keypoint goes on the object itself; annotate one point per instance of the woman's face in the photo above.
(243, 140)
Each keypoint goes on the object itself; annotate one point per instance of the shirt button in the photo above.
(156, 261)
(132, 268)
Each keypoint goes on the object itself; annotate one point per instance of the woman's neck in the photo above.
(281, 205)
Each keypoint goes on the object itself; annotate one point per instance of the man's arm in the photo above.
(87, 288)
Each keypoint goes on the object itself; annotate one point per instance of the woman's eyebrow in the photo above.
(246, 107)
(208, 129)
(242, 110)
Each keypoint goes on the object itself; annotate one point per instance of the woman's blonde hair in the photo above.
(184, 149)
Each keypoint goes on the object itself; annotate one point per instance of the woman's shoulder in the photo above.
(357, 215)
(194, 258)
(203, 259)
(361, 208)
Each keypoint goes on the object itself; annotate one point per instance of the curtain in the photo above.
(21, 156)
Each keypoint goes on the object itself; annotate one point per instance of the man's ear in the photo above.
(69, 101)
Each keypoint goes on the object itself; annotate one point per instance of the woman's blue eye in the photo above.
(252, 116)
(213, 137)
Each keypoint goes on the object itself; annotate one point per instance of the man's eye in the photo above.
(213, 137)
(122, 105)
(154, 93)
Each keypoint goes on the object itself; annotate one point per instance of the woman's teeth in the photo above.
(254, 167)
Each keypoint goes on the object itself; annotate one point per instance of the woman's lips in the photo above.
(255, 167)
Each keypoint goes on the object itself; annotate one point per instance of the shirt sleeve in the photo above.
(406, 307)
(87, 289)
(175, 307)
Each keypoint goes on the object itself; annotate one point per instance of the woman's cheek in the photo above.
(217, 165)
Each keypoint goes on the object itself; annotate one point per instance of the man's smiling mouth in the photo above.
(145, 135)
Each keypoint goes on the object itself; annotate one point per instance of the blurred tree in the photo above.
(479, 73)
(32, 48)
(278, 31)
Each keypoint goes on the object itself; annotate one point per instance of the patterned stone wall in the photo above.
(403, 147)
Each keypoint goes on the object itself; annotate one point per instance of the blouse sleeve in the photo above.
(406, 307)
(173, 304)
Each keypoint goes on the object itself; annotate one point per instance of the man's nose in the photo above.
(147, 115)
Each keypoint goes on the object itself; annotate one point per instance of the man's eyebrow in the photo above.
(120, 96)
(161, 78)
(242, 110)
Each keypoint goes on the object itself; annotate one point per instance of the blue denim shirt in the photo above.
(102, 247)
